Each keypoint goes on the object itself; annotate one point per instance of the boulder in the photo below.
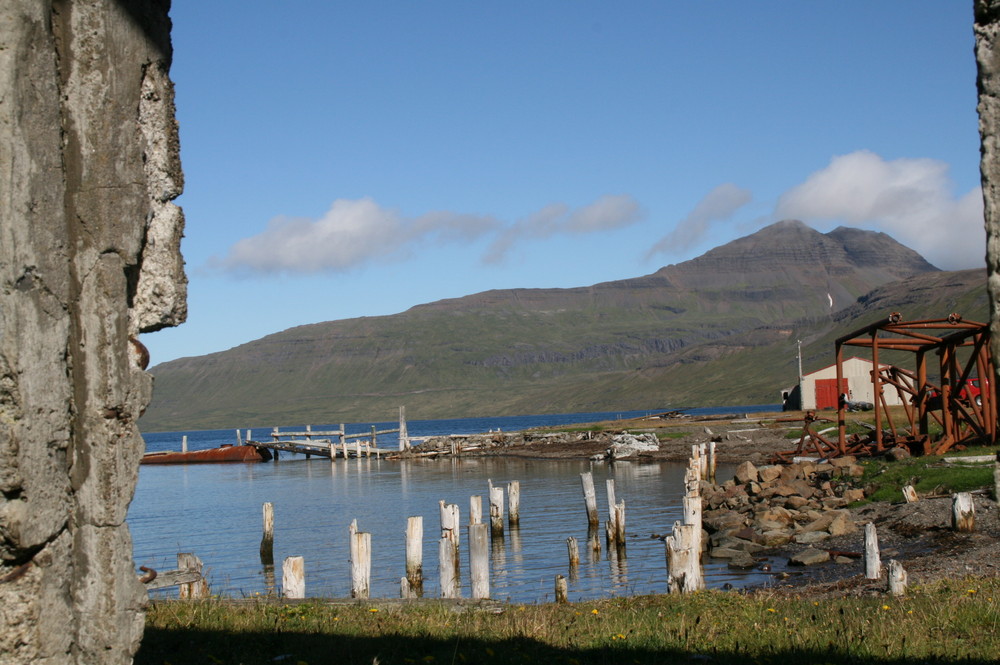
(810, 537)
(741, 561)
(809, 557)
(628, 445)
(842, 524)
(768, 474)
(746, 472)
(773, 538)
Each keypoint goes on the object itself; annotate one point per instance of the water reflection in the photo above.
(215, 512)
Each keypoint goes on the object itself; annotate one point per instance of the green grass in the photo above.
(943, 623)
(928, 475)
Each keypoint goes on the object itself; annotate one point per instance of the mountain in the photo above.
(699, 332)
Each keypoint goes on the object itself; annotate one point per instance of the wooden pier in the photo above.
(334, 443)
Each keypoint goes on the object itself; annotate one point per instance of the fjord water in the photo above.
(214, 510)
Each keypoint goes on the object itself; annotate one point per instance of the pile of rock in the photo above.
(774, 506)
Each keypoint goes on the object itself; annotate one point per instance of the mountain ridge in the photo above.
(546, 350)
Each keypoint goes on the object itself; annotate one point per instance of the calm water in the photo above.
(214, 511)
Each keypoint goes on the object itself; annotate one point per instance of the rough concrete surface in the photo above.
(89, 258)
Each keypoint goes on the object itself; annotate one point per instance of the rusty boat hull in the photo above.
(222, 454)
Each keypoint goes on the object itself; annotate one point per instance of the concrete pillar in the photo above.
(89, 258)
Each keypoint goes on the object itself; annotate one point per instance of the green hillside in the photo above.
(719, 329)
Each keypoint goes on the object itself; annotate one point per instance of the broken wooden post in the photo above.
(897, 578)
(963, 513)
(415, 555)
(594, 545)
(910, 494)
(293, 577)
(239, 439)
(447, 563)
(496, 511)
(450, 530)
(590, 497)
(574, 552)
(198, 588)
(404, 589)
(267, 540)
(873, 562)
(479, 560)
(514, 503)
(184, 443)
(562, 589)
(620, 524)
(361, 565)
(610, 528)
(683, 552)
(475, 509)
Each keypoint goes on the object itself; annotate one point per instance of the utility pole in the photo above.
(799, 342)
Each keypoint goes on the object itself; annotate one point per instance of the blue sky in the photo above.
(348, 159)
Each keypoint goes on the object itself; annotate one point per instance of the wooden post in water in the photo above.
(343, 447)
(496, 511)
(590, 497)
(184, 443)
(610, 530)
(267, 540)
(309, 437)
(343, 439)
(479, 560)
(574, 552)
(897, 578)
(594, 544)
(873, 561)
(404, 437)
(274, 435)
(475, 509)
(361, 565)
(333, 451)
(562, 589)
(192, 590)
(620, 524)
(415, 554)
(447, 565)
(963, 513)
(239, 441)
(514, 503)
(374, 438)
(293, 577)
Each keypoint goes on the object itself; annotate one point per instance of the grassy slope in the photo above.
(532, 352)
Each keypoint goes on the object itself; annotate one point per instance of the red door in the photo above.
(827, 395)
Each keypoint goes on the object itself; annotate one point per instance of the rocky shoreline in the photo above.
(799, 512)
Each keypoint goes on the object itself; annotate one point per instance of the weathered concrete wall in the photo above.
(89, 257)
(987, 29)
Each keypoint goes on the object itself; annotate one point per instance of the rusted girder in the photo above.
(963, 404)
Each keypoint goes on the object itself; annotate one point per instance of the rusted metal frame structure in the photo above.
(961, 418)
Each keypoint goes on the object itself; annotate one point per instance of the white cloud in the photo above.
(606, 213)
(909, 199)
(355, 232)
(350, 234)
(718, 205)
